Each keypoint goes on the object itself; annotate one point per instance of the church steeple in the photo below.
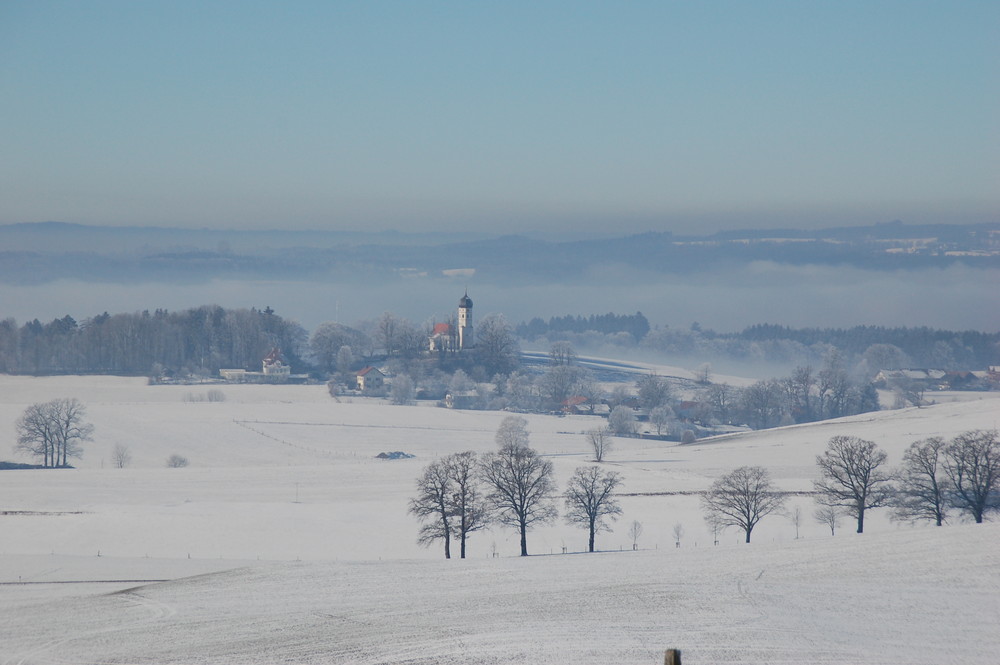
(465, 333)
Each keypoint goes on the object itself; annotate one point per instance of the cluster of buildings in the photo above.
(939, 379)
(445, 337)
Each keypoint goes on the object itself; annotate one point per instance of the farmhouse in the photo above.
(273, 370)
(369, 378)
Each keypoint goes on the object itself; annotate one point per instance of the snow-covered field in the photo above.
(286, 541)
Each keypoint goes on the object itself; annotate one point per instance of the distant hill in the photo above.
(38, 253)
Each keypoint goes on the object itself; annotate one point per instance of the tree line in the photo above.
(207, 338)
(193, 341)
(636, 325)
(865, 349)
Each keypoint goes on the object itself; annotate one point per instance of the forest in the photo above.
(192, 342)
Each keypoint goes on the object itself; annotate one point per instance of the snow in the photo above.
(286, 540)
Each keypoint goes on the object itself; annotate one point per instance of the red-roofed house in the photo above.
(370, 378)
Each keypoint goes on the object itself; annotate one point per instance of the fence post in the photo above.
(672, 657)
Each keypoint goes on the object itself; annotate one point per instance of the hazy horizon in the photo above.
(443, 116)
(727, 301)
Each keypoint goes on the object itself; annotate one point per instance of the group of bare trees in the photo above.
(512, 486)
(935, 477)
(804, 396)
(53, 431)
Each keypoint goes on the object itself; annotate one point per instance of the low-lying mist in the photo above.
(954, 298)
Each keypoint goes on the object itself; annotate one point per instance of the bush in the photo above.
(216, 395)
(177, 461)
(622, 421)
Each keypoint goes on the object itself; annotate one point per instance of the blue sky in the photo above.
(500, 117)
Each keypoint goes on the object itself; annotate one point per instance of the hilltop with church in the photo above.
(458, 336)
(454, 339)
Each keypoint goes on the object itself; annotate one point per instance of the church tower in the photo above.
(465, 338)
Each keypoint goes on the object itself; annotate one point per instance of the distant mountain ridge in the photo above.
(33, 253)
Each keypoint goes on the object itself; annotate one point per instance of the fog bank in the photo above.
(955, 298)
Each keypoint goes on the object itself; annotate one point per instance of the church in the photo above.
(457, 336)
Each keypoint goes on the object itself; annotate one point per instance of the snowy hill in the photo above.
(318, 560)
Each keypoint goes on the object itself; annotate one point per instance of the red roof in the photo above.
(441, 329)
(364, 371)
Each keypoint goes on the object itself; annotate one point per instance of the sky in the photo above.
(499, 117)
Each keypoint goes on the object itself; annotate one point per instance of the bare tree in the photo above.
(622, 421)
(833, 386)
(796, 519)
(634, 533)
(53, 431)
(562, 353)
(345, 362)
(972, 464)
(852, 477)
(467, 504)
(432, 505)
(590, 498)
(653, 391)
(678, 533)
(763, 403)
(496, 347)
(828, 515)
(177, 461)
(660, 418)
(921, 491)
(619, 395)
(714, 523)
(513, 431)
(121, 456)
(589, 389)
(401, 391)
(460, 383)
(387, 333)
(799, 389)
(742, 498)
(327, 341)
(558, 384)
(519, 481)
(722, 399)
(601, 442)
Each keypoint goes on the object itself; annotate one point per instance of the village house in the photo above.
(274, 369)
(368, 379)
